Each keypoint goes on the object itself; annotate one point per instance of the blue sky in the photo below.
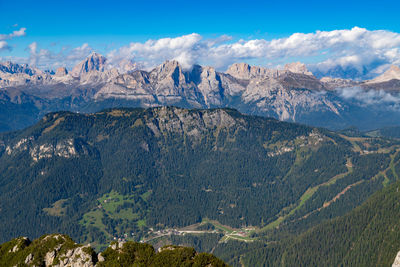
(109, 25)
(144, 19)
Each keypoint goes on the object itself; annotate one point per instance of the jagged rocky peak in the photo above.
(297, 67)
(246, 72)
(168, 67)
(393, 73)
(170, 70)
(94, 62)
(61, 71)
(13, 68)
(239, 70)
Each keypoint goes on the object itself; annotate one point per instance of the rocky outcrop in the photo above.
(61, 251)
(396, 262)
(61, 71)
(49, 250)
(63, 148)
(181, 121)
(79, 256)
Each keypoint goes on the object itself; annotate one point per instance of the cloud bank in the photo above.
(371, 97)
(366, 52)
(357, 47)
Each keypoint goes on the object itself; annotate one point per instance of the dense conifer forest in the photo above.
(251, 190)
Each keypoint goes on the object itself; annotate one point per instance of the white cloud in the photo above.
(185, 49)
(80, 52)
(32, 48)
(48, 59)
(18, 33)
(370, 97)
(42, 58)
(358, 48)
(4, 45)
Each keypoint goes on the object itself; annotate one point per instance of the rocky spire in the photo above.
(94, 62)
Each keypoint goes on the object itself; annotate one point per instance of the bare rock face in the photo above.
(93, 70)
(76, 257)
(170, 78)
(245, 71)
(94, 62)
(393, 73)
(61, 71)
(334, 83)
(181, 121)
(12, 74)
(279, 93)
(297, 67)
(208, 82)
(239, 70)
(396, 262)
(13, 68)
(170, 84)
(28, 259)
(292, 93)
(63, 148)
(50, 250)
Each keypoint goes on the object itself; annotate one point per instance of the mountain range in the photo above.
(290, 94)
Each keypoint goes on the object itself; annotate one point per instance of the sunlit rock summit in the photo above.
(292, 93)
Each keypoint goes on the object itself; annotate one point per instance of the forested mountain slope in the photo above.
(367, 236)
(142, 174)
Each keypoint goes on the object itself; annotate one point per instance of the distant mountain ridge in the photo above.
(291, 94)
